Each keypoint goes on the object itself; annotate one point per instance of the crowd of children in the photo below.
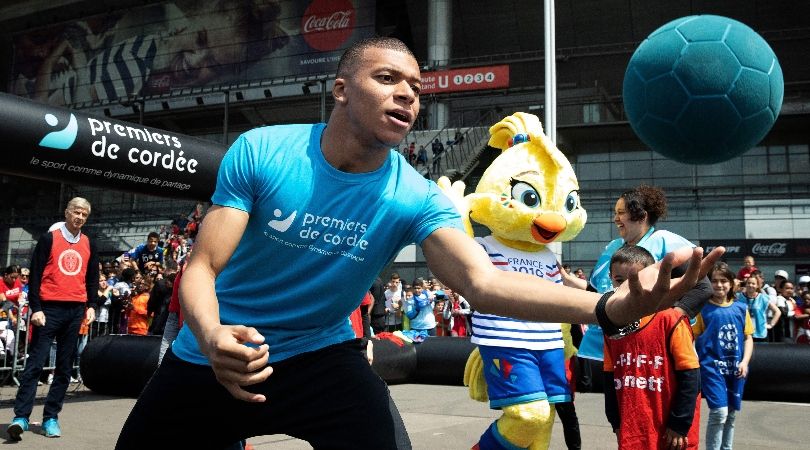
(421, 309)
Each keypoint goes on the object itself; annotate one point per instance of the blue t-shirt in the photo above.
(143, 255)
(758, 309)
(424, 320)
(316, 238)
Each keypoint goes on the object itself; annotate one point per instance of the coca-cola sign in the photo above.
(327, 24)
(769, 249)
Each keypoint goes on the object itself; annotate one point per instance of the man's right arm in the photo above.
(234, 363)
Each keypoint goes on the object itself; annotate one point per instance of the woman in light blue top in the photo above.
(635, 215)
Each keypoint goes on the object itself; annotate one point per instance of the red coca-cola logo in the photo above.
(327, 24)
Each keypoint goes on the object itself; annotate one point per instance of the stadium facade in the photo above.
(269, 62)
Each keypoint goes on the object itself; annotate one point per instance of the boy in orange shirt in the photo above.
(652, 374)
(138, 319)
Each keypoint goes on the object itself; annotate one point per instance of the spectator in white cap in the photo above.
(804, 285)
(779, 277)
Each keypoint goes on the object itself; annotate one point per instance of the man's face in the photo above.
(75, 218)
(152, 243)
(382, 97)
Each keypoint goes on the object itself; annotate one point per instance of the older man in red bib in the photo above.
(62, 292)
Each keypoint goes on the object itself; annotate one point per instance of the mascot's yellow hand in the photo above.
(570, 349)
(474, 377)
(455, 192)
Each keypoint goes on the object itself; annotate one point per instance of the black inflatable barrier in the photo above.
(779, 372)
(119, 364)
(62, 145)
(393, 363)
(441, 360)
(122, 365)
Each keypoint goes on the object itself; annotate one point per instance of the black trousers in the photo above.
(330, 398)
(62, 322)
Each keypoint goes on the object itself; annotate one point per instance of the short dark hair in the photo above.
(645, 200)
(353, 55)
(153, 235)
(128, 274)
(632, 254)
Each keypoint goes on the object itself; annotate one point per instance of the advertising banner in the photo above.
(165, 47)
(735, 248)
(57, 144)
(467, 79)
(761, 248)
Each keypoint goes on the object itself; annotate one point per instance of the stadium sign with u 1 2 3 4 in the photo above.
(466, 79)
(61, 145)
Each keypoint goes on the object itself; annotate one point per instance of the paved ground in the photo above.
(437, 417)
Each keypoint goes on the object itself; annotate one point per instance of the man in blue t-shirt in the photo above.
(149, 255)
(304, 217)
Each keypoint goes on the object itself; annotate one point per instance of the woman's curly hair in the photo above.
(645, 201)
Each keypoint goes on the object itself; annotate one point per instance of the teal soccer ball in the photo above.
(703, 89)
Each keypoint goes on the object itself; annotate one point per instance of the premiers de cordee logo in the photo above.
(60, 139)
(168, 157)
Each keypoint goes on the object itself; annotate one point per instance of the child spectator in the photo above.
(439, 305)
(393, 303)
(748, 267)
(138, 312)
(652, 375)
(802, 319)
(457, 310)
(420, 312)
(759, 304)
(406, 304)
(724, 344)
(785, 301)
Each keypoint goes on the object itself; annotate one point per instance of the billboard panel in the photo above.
(170, 46)
(467, 79)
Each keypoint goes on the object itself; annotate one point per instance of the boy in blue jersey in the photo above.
(330, 205)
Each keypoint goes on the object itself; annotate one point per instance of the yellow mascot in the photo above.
(528, 197)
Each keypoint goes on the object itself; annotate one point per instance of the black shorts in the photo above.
(330, 398)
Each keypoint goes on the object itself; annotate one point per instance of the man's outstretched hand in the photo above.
(652, 289)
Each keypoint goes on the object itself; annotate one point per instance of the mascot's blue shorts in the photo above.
(516, 375)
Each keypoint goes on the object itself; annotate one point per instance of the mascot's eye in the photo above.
(572, 201)
(525, 194)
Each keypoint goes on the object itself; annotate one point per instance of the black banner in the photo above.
(57, 144)
(761, 248)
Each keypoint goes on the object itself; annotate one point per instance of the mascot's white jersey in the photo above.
(497, 331)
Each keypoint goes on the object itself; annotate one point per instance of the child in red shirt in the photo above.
(652, 375)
